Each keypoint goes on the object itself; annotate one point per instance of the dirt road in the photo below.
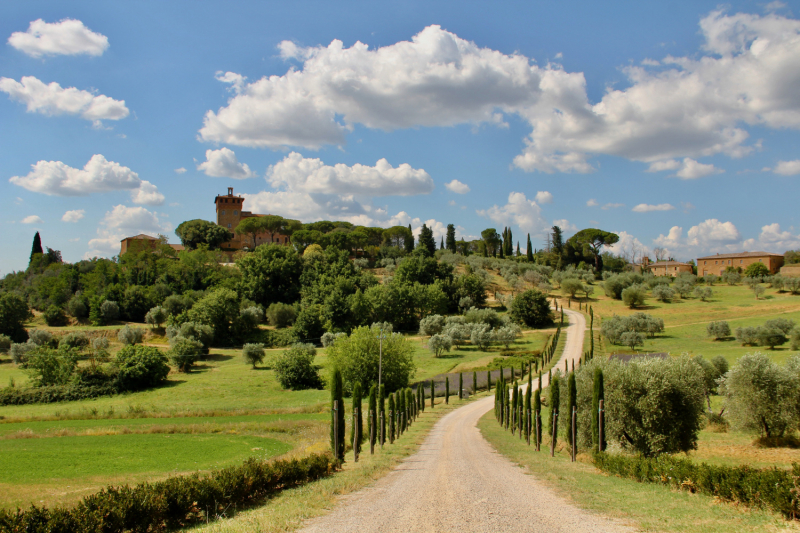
(457, 482)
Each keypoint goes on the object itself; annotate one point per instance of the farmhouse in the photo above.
(229, 214)
(141, 242)
(667, 268)
(716, 264)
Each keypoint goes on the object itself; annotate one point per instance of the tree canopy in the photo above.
(193, 233)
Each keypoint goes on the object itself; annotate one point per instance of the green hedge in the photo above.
(771, 488)
(54, 393)
(171, 504)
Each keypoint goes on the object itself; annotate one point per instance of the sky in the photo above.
(673, 124)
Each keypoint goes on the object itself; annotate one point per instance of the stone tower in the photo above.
(229, 213)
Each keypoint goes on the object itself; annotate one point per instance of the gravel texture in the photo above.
(457, 482)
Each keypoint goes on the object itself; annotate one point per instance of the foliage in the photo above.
(5, 343)
(295, 368)
(194, 233)
(426, 243)
(184, 352)
(720, 330)
(54, 316)
(194, 331)
(531, 308)
(613, 328)
(14, 312)
(633, 296)
(731, 277)
(438, 344)
(337, 414)
(129, 335)
(308, 325)
(481, 336)
(756, 270)
(357, 357)
(431, 325)
(770, 487)
(631, 339)
(76, 307)
(19, 351)
(140, 367)
(253, 353)
(75, 340)
(47, 366)
(271, 273)
(329, 338)
(43, 338)
(156, 316)
(704, 293)
(220, 310)
(663, 293)
(281, 315)
(176, 502)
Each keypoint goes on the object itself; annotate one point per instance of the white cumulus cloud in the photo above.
(180, 170)
(773, 239)
(787, 168)
(519, 211)
(544, 197)
(73, 216)
(51, 99)
(710, 236)
(658, 166)
(591, 203)
(66, 37)
(311, 175)
(457, 187)
(55, 178)
(646, 208)
(691, 169)
(32, 219)
(610, 205)
(121, 222)
(223, 163)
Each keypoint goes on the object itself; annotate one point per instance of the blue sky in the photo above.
(675, 125)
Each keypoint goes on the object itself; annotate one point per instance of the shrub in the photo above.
(54, 316)
(281, 315)
(663, 293)
(51, 394)
(631, 339)
(19, 351)
(431, 325)
(295, 368)
(792, 285)
(43, 338)
(438, 344)
(184, 352)
(14, 312)
(747, 335)
(76, 307)
(77, 340)
(194, 331)
(481, 336)
(253, 353)
(175, 304)
(5, 343)
(483, 316)
(704, 293)
(531, 308)
(794, 337)
(47, 366)
(719, 330)
(770, 337)
(109, 311)
(329, 338)
(100, 343)
(633, 296)
(756, 270)
(140, 367)
(156, 316)
(129, 336)
(760, 396)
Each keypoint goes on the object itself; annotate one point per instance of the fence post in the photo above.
(574, 432)
(601, 422)
(553, 436)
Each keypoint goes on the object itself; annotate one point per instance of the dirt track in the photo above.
(457, 482)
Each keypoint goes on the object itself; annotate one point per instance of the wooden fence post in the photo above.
(601, 419)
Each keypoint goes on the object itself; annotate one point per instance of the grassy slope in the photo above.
(649, 507)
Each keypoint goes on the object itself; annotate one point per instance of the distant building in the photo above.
(716, 264)
(791, 271)
(666, 268)
(229, 214)
(141, 242)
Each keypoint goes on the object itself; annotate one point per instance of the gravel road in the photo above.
(457, 482)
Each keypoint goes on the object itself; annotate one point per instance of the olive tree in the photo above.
(663, 293)
(253, 353)
(295, 368)
(130, 336)
(720, 330)
(431, 325)
(632, 339)
(633, 296)
(438, 344)
(704, 293)
(156, 316)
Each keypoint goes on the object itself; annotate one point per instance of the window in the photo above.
(741, 261)
(714, 261)
(705, 262)
(235, 212)
(229, 226)
(223, 211)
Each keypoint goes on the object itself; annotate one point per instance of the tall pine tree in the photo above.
(37, 246)
(426, 242)
(450, 243)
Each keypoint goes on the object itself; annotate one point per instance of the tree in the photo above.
(450, 243)
(572, 402)
(271, 273)
(193, 233)
(663, 293)
(598, 393)
(295, 368)
(711, 279)
(357, 357)
(704, 293)
(529, 252)
(771, 337)
(633, 296)
(184, 352)
(36, 248)
(431, 325)
(491, 239)
(531, 308)
(632, 339)
(426, 243)
(372, 421)
(337, 415)
(438, 344)
(156, 316)
(571, 286)
(555, 401)
(140, 367)
(408, 241)
(557, 240)
(357, 428)
(14, 312)
(591, 240)
(253, 353)
(756, 270)
(760, 395)
(218, 309)
(719, 330)
(281, 315)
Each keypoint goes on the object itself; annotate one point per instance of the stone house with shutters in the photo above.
(666, 268)
(716, 264)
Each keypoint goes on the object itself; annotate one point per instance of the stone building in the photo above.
(230, 213)
(667, 268)
(141, 242)
(716, 264)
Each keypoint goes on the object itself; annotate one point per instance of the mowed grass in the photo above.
(648, 507)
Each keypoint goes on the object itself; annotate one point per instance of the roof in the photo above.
(666, 263)
(177, 247)
(740, 254)
(141, 237)
(627, 357)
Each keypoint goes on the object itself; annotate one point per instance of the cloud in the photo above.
(687, 206)
(772, 239)
(296, 173)
(544, 197)
(565, 225)
(608, 206)
(223, 163)
(646, 208)
(32, 219)
(787, 168)
(235, 80)
(710, 236)
(73, 216)
(519, 211)
(628, 247)
(669, 164)
(452, 202)
(52, 100)
(691, 169)
(180, 170)
(457, 187)
(121, 222)
(591, 203)
(55, 178)
(66, 37)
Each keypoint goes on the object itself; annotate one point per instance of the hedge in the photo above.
(54, 393)
(174, 503)
(770, 488)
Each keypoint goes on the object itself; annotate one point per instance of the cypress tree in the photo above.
(529, 253)
(37, 246)
(409, 240)
(540, 381)
(572, 401)
(357, 416)
(518, 254)
(382, 413)
(507, 399)
(337, 415)
(400, 404)
(598, 394)
(447, 389)
(460, 385)
(373, 415)
(488, 380)
(474, 382)
(410, 405)
(553, 402)
(510, 243)
(527, 410)
(502, 256)
(514, 407)
(537, 410)
(392, 417)
(433, 395)
(421, 394)
(441, 243)
(450, 242)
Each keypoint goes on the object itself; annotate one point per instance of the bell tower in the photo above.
(229, 212)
